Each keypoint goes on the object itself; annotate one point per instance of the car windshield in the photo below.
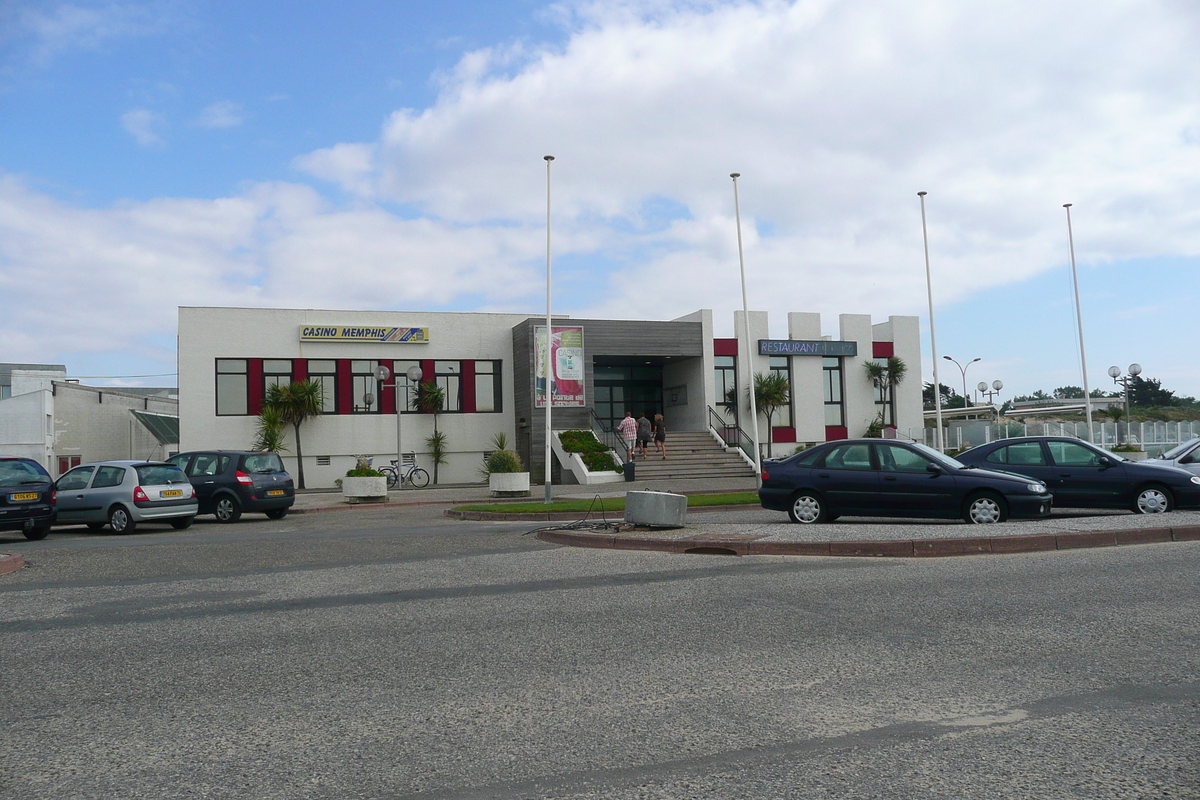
(22, 473)
(941, 458)
(264, 463)
(160, 474)
(1176, 452)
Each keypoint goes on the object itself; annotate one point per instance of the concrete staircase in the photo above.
(691, 454)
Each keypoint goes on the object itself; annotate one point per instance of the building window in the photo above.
(364, 390)
(782, 365)
(324, 372)
(232, 387)
(487, 386)
(276, 372)
(834, 411)
(725, 386)
(448, 375)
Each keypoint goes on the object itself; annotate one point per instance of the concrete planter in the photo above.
(364, 490)
(509, 484)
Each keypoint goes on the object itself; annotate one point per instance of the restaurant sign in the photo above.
(355, 333)
(806, 347)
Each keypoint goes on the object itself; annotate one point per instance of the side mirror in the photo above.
(934, 468)
(1105, 461)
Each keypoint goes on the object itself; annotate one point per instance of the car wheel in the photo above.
(1153, 500)
(183, 523)
(227, 508)
(95, 526)
(985, 509)
(807, 508)
(34, 534)
(277, 513)
(120, 520)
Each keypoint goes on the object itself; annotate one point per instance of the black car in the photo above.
(228, 482)
(1082, 475)
(27, 498)
(876, 478)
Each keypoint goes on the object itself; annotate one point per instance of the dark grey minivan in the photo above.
(228, 482)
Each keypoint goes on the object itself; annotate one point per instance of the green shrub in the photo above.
(503, 461)
(363, 472)
(581, 442)
(600, 462)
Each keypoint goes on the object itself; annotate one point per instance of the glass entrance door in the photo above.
(620, 388)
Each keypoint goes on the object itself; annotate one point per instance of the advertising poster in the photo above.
(566, 355)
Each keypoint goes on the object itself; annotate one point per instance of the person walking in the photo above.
(628, 429)
(660, 436)
(643, 433)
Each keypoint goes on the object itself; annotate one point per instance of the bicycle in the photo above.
(412, 475)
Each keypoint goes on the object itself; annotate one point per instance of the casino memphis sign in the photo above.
(350, 333)
(806, 347)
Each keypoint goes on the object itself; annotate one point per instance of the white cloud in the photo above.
(222, 114)
(145, 126)
(45, 33)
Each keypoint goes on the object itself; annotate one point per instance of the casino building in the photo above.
(488, 367)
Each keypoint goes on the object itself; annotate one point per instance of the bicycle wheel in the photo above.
(392, 478)
(419, 478)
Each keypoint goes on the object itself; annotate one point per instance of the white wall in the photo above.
(24, 420)
(206, 334)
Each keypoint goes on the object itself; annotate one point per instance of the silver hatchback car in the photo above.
(123, 494)
(1185, 456)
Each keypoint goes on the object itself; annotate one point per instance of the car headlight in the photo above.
(1196, 479)
(1036, 488)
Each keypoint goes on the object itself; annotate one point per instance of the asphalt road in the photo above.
(378, 654)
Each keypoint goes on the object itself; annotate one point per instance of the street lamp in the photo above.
(1115, 374)
(737, 210)
(1087, 400)
(937, 386)
(414, 375)
(982, 388)
(963, 370)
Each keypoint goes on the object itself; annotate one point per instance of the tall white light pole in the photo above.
(549, 338)
(937, 386)
(746, 332)
(963, 370)
(1087, 395)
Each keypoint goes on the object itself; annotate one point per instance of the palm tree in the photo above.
(268, 436)
(887, 376)
(294, 403)
(771, 393)
(431, 399)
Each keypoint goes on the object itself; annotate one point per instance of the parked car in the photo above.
(1082, 475)
(27, 498)
(123, 494)
(1185, 456)
(876, 478)
(228, 482)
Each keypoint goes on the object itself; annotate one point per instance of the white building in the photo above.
(61, 423)
(485, 364)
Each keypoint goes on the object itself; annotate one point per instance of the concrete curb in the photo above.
(752, 545)
(10, 562)
(565, 516)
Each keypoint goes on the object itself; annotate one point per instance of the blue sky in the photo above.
(370, 154)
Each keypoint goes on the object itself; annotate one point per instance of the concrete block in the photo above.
(656, 508)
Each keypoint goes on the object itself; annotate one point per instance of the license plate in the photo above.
(275, 493)
(171, 493)
(20, 497)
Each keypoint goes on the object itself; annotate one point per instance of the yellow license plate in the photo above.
(19, 496)
(171, 493)
(275, 493)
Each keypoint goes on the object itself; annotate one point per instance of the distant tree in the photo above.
(950, 398)
(1038, 395)
(1149, 392)
(1068, 393)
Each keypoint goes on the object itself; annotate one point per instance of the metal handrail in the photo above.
(731, 435)
(607, 436)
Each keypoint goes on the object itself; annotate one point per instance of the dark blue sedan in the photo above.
(1082, 475)
(877, 478)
